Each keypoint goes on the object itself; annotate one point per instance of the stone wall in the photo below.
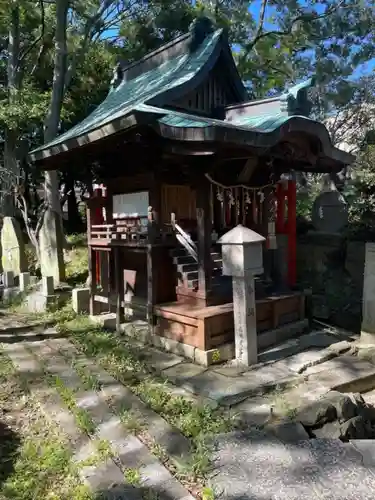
(333, 267)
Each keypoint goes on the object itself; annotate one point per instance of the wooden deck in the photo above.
(210, 327)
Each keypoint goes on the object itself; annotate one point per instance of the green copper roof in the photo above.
(265, 123)
(172, 72)
(129, 94)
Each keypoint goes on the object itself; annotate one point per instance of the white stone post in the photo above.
(368, 300)
(24, 281)
(243, 259)
(48, 287)
(81, 300)
(8, 277)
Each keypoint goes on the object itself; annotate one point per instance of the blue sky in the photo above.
(362, 70)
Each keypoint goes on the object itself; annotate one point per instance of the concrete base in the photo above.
(139, 330)
(10, 293)
(285, 332)
(367, 338)
(81, 300)
(37, 302)
(107, 320)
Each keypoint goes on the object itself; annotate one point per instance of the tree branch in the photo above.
(260, 34)
(36, 41)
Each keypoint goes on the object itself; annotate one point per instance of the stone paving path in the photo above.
(255, 466)
(252, 464)
(107, 477)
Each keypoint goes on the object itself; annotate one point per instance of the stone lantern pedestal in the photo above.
(242, 259)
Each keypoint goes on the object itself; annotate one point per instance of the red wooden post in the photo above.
(280, 214)
(292, 233)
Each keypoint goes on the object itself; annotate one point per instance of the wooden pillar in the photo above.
(204, 228)
(152, 232)
(292, 233)
(93, 280)
(119, 283)
(280, 215)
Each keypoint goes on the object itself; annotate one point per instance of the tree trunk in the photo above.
(10, 146)
(53, 116)
(51, 234)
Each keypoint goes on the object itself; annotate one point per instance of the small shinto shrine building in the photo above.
(185, 156)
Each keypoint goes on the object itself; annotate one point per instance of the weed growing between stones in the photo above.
(81, 416)
(132, 477)
(41, 463)
(89, 381)
(132, 421)
(122, 361)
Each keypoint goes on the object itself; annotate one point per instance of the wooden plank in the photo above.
(204, 229)
(174, 316)
(181, 332)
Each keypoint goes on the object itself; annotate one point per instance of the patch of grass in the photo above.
(81, 416)
(132, 476)
(281, 405)
(60, 316)
(158, 451)
(104, 449)
(208, 493)
(76, 260)
(14, 303)
(132, 421)
(150, 494)
(197, 466)
(42, 465)
(88, 380)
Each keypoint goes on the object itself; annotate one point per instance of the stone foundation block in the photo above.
(81, 300)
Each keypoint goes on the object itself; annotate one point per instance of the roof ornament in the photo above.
(117, 77)
(200, 28)
(295, 101)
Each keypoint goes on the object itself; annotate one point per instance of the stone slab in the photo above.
(229, 391)
(102, 477)
(312, 357)
(181, 373)
(163, 433)
(254, 411)
(280, 351)
(297, 397)
(160, 360)
(346, 374)
(366, 447)
(287, 431)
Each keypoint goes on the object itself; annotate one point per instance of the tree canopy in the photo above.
(275, 43)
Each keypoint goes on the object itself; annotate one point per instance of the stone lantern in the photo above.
(242, 251)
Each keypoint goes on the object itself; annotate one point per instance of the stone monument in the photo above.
(329, 212)
(13, 248)
(368, 300)
(242, 251)
(51, 251)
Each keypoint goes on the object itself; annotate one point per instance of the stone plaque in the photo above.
(51, 251)
(330, 212)
(13, 248)
(368, 306)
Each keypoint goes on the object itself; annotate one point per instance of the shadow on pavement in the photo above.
(9, 445)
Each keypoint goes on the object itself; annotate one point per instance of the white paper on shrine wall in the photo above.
(130, 204)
